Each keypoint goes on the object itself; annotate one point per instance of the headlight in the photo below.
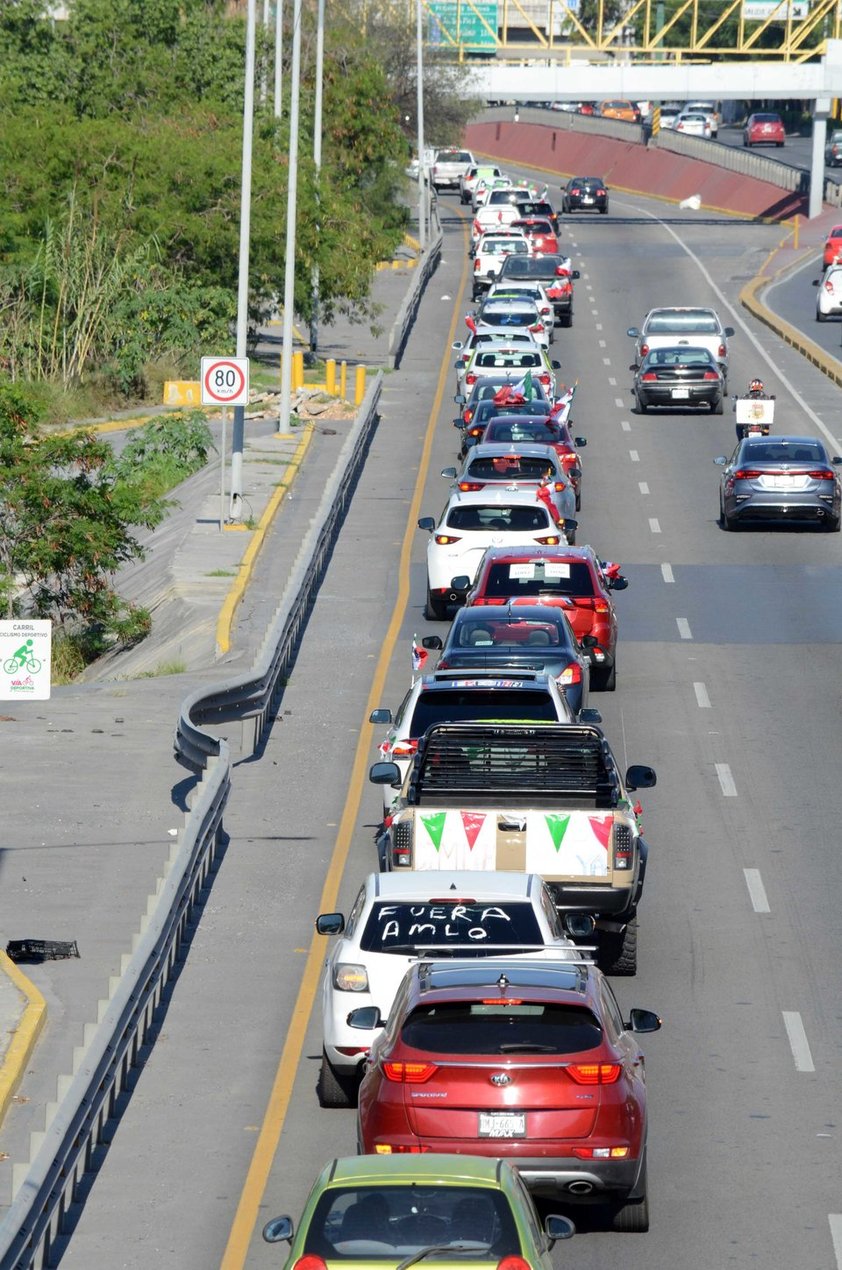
(350, 978)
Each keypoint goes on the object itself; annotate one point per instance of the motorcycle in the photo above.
(755, 415)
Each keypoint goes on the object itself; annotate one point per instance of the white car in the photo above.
(473, 521)
(516, 465)
(496, 213)
(707, 108)
(670, 111)
(692, 124)
(491, 250)
(474, 174)
(398, 919)
(448, 696)
(487, 339)
(502, 315)
(829, 294)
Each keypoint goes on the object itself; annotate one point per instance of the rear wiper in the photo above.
(460, 1246)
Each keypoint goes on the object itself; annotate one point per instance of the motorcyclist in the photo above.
(756, 392)
(757, 389)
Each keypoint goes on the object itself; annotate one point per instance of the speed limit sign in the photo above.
(225, 381)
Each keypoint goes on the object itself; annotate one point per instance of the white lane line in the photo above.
(612, 383)
(598, 325)
(606, 361)
(702, 698)
(666, 570)
(683, 628)
(643, 487)
(798, 1042)
(835, 1220)
(602, 344)
(726, 780)
(634, 456)
(625, 425)
(654, 525)
(756, 891)
(619, 403)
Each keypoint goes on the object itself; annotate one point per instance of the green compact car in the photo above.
(459, 1211)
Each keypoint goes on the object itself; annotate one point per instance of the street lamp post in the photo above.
(419, 73)
(279, 54)
(238, 436)
(292, 202)
(317, 159)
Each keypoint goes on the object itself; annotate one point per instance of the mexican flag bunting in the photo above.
(472, 822)
(434, 824)
(601, 826)
(557, 826)
(524, 388)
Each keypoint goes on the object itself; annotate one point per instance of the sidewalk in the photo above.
(86, 841)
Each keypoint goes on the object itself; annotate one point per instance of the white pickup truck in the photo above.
(492, 249)
(449, 166)
(674, 327)
(544, 798)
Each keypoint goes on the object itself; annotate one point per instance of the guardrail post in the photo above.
(359, 385)
(297, 371)
(343, 380)
(330, 376)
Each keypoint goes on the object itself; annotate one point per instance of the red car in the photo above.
(542, 431)
(539, 234)
(533, 1063)
(833, 246)
(764, 129)
(571, 578)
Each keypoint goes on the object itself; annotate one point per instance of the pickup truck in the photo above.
(492, 250)
(667, 328)
(544, 798)
(449, 167)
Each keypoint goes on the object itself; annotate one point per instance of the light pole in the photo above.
(419, 72)
(279, 54)
(317, 160)
(238, 436)
(292, 200)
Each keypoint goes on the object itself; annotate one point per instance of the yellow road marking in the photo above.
(273, 1122)
(25, 1035)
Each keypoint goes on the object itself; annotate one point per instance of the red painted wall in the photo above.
(633, 167)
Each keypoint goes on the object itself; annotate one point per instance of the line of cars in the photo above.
(467, 1012)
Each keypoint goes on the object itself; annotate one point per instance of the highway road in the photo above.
(728, 683)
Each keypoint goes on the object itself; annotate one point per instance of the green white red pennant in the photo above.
(434, 824)
(557, 826)
(472, 822)
(601, 826)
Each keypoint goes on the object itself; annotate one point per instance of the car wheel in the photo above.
(578, 500)
(605, 680)
(565, 319)
(617, 953)
(335, 1090)
(727, 522)
(833, 526)
(632, 1218)
(434, 611)
(640, 406)
(820, 317)
(604, 209)
(779, 144)
(718, 407)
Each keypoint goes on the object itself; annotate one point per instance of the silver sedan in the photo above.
(778, 479)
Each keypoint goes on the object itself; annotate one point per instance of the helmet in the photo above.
(756, 385)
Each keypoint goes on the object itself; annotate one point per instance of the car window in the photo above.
(508, 317)
(611, 1008)
(485, 632)
(537, 577)
(551, 913)
(507, 361)
(539, 431)
(391, 1223)
(463, 924)
(518, 519)
(692, 358)
(680, 323)
(771, 451)
(354, 915)
(460, 705)
(488, 388)
(509, 467)
(401, 711)
(478, 1027)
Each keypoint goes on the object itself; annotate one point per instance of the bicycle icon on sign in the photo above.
(23, 659)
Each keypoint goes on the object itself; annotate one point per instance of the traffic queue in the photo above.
(468, 1006)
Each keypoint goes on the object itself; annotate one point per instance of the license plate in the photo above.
(587, 199)
(680, 393)
(782, 482)
(502, 1124)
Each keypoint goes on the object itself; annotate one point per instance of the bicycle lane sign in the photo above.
(25, 655)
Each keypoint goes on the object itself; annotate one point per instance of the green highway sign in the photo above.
(457, 22)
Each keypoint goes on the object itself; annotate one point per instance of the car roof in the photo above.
(511, 498)
(500, 613)
(428, 1170)
(563, 554)
(597, 179)
(490, 884)
(470, 977)
(682, 309)
(502, 449)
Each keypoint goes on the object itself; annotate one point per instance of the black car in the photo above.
(518, 637)
(488, 409)
(488, 386)
(584, 193)
(779, 479)
(678, 376)
(538, 207)
(554, 271)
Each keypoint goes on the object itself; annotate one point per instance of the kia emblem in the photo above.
(500, 1078)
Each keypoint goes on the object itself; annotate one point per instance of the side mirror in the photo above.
(462, 584)
(449, 471)
(570, 526)
(729, 331)
(720, 460)
(330, 923)
(617, 584)
(385, 774)
(427, 522)
(589, 641)
(556, 1228)
(457, 345)
(643, 1021)
(578, 925)
(633, 332)
(580, 441)
(556, 365)
(433, 642)
(817, 282)
(590, 715)
(575, 274)
(278, 1229)
(633, 366)
(381, 715)
(368, 1016)
(638, 777)
(837, 459)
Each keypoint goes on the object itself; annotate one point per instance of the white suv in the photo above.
(399, 918)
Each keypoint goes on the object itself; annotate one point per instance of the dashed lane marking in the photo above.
(625, 425)
(798, 1042)
(726, 780)
(619, 403)
(683, 628)
(666, 571)
(643, 487)
(756, 891)
(654, 525)
(702, 698)
(634, 456)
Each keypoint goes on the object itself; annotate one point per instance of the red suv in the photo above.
(533, 1063)
(572, 578)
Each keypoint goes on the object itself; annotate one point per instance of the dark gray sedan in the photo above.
(679, 376)
(777, 479)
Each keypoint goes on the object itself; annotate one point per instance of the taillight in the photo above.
(644, 349)
(822, 474)
(512, 1263)
(309, 1262)
(467, 416)
(594, 1073)
(746, 474)
(552, 540)
(502, 1001)
(409, 1073)
(571, 675)
(722, 350)
(475, 432)
(561, 272)
(545, 379)
(560, 486)
(601, 1153)
(648, 377)
(710, 374)
(404, 749)
(470, 378)
(476, 227)
(476, 264)
(386, 1148)
(444, 540)
(546, 311)
(828, 286)
(537, 328)
(575, 190)
(468, 486)
(623, 847)
(601, 607)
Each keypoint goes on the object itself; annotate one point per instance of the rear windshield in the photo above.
(486, 632)
(691, 320)
(500, 196)
(767, 119)
(510, 361)
(504, 247)
(491, 386)
(539, 431)
(781, 452)
(537, 577)
(519, 519)
(474, 1027)
(454, 156)
(461, 924)
(463, 705)
(486, 409)
(509, 467)
(392, 1223)
(692, 358)
(509, 317)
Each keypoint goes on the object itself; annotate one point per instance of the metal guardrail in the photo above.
(744, 161)
(408, 310)
(32, 1234)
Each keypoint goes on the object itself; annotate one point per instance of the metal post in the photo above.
(317, 159)
(262, 61)
(821, 110)
(292, 197)
(222, 446)
(279, 54)
(238, 435)
(422, 175)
